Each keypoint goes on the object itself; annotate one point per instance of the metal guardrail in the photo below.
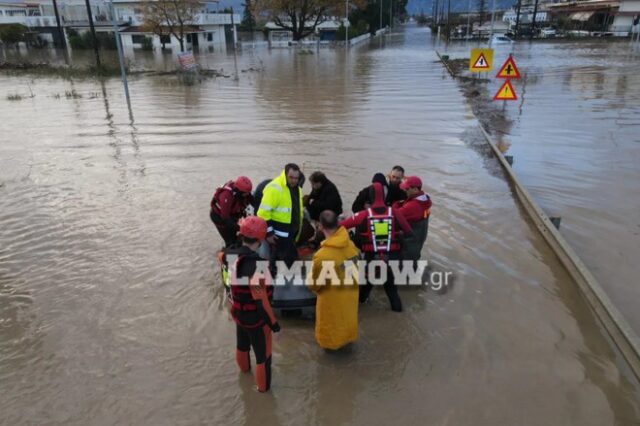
(616, 325)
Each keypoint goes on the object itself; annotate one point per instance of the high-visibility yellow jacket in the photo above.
(276, 208)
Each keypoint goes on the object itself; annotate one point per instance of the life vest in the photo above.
(379, 236)
(237, 209)
(239, 295)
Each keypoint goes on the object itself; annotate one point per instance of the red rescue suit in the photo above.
(228, 205)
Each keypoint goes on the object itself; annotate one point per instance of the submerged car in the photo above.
(500, 39)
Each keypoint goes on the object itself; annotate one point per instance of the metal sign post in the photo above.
(493, 19)
(123, 71)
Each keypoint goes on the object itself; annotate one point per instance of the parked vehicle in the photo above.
(500, 39)
(548, 32)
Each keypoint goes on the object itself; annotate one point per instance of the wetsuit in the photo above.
(251, 310)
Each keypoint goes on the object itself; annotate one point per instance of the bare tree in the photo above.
(301, 17)
(171, 17)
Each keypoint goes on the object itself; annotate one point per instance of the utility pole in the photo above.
(533, 20)
(448, 20)
(235, 46)
(435, 16)
(93, 33)
(493, 20)
(123, 71)
(63, 43)
(468, 20)
(346, 24)
(517, 20)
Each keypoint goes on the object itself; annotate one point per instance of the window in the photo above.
(137, 39)
(165, 39)
(16, 12)
(209, 36)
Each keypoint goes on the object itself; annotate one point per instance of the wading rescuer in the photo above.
(228, 205)
(249, 298)
(337, 302)
(281, 207)
(416, 209)
(378, 235)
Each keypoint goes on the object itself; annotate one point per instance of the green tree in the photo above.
(301, 17)
(248, 21)
(12, 33)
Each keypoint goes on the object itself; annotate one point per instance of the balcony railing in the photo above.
(30, 21)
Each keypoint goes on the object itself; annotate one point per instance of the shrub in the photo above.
(12, 33)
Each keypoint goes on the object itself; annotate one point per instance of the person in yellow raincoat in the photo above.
(337, 301)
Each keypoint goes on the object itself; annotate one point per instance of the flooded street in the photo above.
(574, 135)
(111, 306)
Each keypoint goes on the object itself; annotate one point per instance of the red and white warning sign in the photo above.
(509, 69)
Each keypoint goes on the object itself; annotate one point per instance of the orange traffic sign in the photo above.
(506, 92)
(481, 60)
(509, 69)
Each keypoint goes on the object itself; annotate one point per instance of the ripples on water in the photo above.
(111, 310)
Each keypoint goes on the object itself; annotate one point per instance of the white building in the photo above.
(623, 21)
(324, 32)
(208, 30)
(526, 15)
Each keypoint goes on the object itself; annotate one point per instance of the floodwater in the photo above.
(575, 136)
(111, 309)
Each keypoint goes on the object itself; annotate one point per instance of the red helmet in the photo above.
(243, 184)
(253, 227)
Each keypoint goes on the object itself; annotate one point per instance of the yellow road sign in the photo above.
(506, 92)
(481, 60)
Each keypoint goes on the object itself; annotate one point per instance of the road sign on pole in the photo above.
(506, 92)
(481, 60)
(509, 69)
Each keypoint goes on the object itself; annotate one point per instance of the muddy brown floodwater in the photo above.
(111, 309)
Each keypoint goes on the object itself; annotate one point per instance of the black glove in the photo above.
(275, 327)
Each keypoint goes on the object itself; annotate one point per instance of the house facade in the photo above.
(207, 30)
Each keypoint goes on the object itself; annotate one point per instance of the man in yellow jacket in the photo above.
(337, 300)
(281, 206)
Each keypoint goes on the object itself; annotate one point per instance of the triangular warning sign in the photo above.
(509, 69)
(506, 93)
(481, 62)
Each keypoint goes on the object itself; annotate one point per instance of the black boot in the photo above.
(363, 292)
(394, 298)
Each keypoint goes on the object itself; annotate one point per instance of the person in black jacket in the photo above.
(324, 196)
(392, 191)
